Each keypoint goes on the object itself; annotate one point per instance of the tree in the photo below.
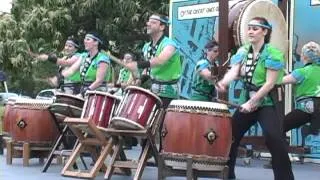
(44, 25)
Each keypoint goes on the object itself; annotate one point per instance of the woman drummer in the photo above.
(71, 51)
(92, 65)
(307, 92)
(260, 66)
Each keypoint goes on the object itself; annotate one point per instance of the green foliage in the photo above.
(44, 25)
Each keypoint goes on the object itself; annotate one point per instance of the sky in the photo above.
(5, 5)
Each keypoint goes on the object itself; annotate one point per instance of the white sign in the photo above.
(200, 10)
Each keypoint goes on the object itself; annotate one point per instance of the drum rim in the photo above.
(37, 102)
(65, 105)
(122, 119)
(69, 95)
(200, 103)
(146, 91)
(102, 93)
(236, 22)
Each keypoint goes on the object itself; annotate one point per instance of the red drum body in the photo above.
(9, 116)
(137, 109)
(100, 107)
(197, 128)
(66, 105)
(33, 123)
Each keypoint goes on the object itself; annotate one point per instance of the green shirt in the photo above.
(270, 58)
(90, 75)
(308, 84)
(202, 89)
(74, 78)
(169, 71)
(124, 75)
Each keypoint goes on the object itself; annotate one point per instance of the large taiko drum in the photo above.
(137, 109)
(100, 107)
(197, 128)
(67, 105)
(242, 11)
(8, 116)
(33, 123)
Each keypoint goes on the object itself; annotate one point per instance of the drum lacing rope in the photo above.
(186, 108)
(38, 106)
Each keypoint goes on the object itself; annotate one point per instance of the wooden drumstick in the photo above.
(118, 61)
(226, 102)
(115, 59)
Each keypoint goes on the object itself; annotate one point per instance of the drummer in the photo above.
(162, 57)
(92, 65)
(202, 81)
(307, 93)
(125, 77)
(260, 66)
(72, 84)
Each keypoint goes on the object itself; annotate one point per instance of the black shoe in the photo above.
(231, 176)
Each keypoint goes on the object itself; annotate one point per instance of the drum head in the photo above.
(270, 11)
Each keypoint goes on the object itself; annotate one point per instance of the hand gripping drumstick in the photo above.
(118, 61)
(115, 59)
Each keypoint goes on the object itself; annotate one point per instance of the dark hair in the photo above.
(265, 22)
(131, 54)
(166, 24)
(74, 40)
(101, 44)
(211, 44)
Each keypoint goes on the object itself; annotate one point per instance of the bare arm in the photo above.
(64, 61)
(67, 61)
(73, 68)
(163, 57)
(100, 75)
(231, 75)
(288, 79)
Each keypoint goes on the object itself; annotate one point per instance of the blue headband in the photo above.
(94, 37)
(163, 20)
(260, 25)
(312, 56)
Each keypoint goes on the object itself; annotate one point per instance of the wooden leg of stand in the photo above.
(100, 161)
(114, 156)
(9, 151)
(142, 161)
(26, 154)
(72, 159)
(55, 147)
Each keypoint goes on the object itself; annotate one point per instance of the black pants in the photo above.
(295, 119)
(275, 141)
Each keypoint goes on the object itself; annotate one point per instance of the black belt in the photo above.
(88, 83)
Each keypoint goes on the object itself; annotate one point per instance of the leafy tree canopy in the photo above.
(42, 26)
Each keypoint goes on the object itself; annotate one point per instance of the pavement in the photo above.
(253, 171)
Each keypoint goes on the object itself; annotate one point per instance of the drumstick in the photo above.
(115, 59)
(118, 61)
(226, 102)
